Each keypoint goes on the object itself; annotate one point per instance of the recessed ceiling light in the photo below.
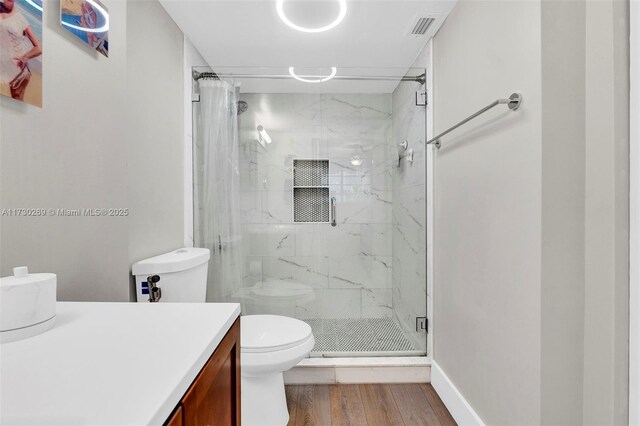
(339, 18)
(101, 11)
(315, 78)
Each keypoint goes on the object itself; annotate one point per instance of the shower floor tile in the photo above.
(359, 337)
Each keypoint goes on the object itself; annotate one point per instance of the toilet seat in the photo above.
(272, 343)
(272, 333)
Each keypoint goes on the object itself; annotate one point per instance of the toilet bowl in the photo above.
(269, 345)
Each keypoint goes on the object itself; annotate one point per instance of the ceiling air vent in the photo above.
(421, 25)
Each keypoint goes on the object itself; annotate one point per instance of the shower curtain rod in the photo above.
(422, 78)
(513, 102)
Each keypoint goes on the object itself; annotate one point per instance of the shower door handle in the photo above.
(333, 211)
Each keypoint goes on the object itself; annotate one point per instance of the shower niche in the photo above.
(310, 191)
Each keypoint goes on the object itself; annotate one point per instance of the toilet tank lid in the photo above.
(175, 261)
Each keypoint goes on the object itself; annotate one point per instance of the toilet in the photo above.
(269, 344)
(181, 275)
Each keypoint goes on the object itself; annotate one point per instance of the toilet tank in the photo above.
(182, 272)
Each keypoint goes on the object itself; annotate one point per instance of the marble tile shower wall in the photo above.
(347, 268)
(409, 298)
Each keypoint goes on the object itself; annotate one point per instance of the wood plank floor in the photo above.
(414, 404)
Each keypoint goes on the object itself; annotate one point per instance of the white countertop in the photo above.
(110, 363)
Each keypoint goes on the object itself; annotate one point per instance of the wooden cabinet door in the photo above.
(176, 418)
(214, 397)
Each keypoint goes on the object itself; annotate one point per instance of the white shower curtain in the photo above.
(219, 217)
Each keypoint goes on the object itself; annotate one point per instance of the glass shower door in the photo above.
(360, 284)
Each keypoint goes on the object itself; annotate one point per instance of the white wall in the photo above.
(487, 205)
(155, 126)
(109, 135)
(634, 331)
(531, 211)
(606, 314)
(562, 211)
(70, 154)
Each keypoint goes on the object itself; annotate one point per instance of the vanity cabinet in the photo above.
(214, 396)
(176, 417)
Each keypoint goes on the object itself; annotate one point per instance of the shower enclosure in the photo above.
(311, 197)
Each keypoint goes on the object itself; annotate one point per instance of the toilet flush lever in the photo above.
(155, 292)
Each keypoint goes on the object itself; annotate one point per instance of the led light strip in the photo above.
(104, 14)
(341, 15)
(319, 79)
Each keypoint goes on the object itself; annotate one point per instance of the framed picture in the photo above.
(88, 20)
(21, 50)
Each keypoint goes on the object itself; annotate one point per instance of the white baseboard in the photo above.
(359, 370)
(457, 405)
(312, 371)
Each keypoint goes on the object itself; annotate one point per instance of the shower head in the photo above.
(242, 107)
(402, 147)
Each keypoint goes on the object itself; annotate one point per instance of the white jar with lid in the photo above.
(27, 304)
